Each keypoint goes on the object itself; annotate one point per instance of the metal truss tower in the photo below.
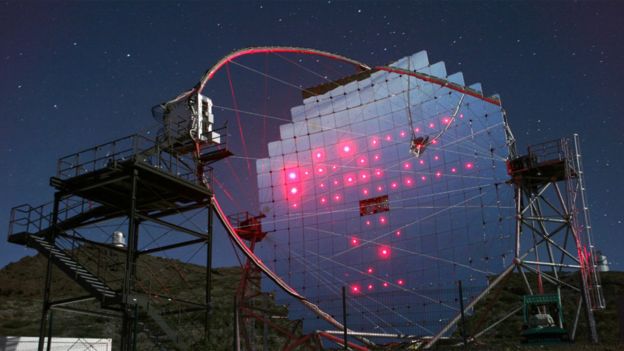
(553, 231)
(139, 183)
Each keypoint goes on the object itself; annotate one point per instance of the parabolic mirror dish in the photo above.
(347, 203)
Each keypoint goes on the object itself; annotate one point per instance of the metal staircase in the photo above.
(128, 181)
(154, 326)
(68, 265)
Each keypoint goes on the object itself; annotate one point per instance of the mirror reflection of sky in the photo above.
(440, 217)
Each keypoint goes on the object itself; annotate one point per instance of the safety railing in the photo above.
(26, 218)
(101, 156)
(157, 154)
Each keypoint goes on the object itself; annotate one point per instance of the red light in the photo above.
(408, 181)
(434, 141)
(355, 289)
(407, 165)
(402, 134)
(350, 179)
(461, 115)
(322, 185)
(398, 233)
(323, 200)
(423, 178)
(421, 161)
(436, 157)
(337, 197)
(438, 174)
(370, 270)
(374, 142)
(376, 157)
(379, 188)
(355, 241)
(378, 172)
(365, 191)
(469, 165)
(319, 155)
(334, 167)
(400, 282)
(394, 185)
(362, 160)
(306, 173)
(364, 175)
(453, 170)
(335, 182)
(384, 252)
(382, 220)
(417, 130)
(446, 120)
(389, 137)
(385, 284)
(370, 286)
(294, 190)
(320, 170)
(292, 175)
(431, 125)
(368, 222)
(294, 205)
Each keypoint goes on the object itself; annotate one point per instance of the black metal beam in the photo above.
(178, 210)
(71, 300)
(96, 243)
(172, 246)
(48, 279)
(172, 226)
(86, 312)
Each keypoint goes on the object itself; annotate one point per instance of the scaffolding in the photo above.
(141, 183)
(553, 231)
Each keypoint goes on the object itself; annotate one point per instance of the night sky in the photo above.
(74, 75)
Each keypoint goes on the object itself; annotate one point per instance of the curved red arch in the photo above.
(263, 50)
(276, 49)
(307, 51)
(441, 82)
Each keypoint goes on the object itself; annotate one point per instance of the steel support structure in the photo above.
(552, 232)
(132, 190)
(45, 308)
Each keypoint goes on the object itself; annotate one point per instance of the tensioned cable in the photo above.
(330, 286)
(231, 231)
(391, 310)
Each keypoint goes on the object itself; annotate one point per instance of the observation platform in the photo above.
(547, 162)
(98, 183)
(105, 176)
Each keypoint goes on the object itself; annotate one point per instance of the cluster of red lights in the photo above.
(347, 150)
(357, 288)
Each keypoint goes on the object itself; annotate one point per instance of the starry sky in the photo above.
(73, 75)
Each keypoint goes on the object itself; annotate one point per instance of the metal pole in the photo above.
(50, 318)
(134, 327)
(344, 316)
(48, 278)
(265, 332)
(473, 302)
(45, 305)
(128, 315)
(463, 317)
(235, 340)
(207, 323)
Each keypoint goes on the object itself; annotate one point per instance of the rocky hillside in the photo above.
(21, 288)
